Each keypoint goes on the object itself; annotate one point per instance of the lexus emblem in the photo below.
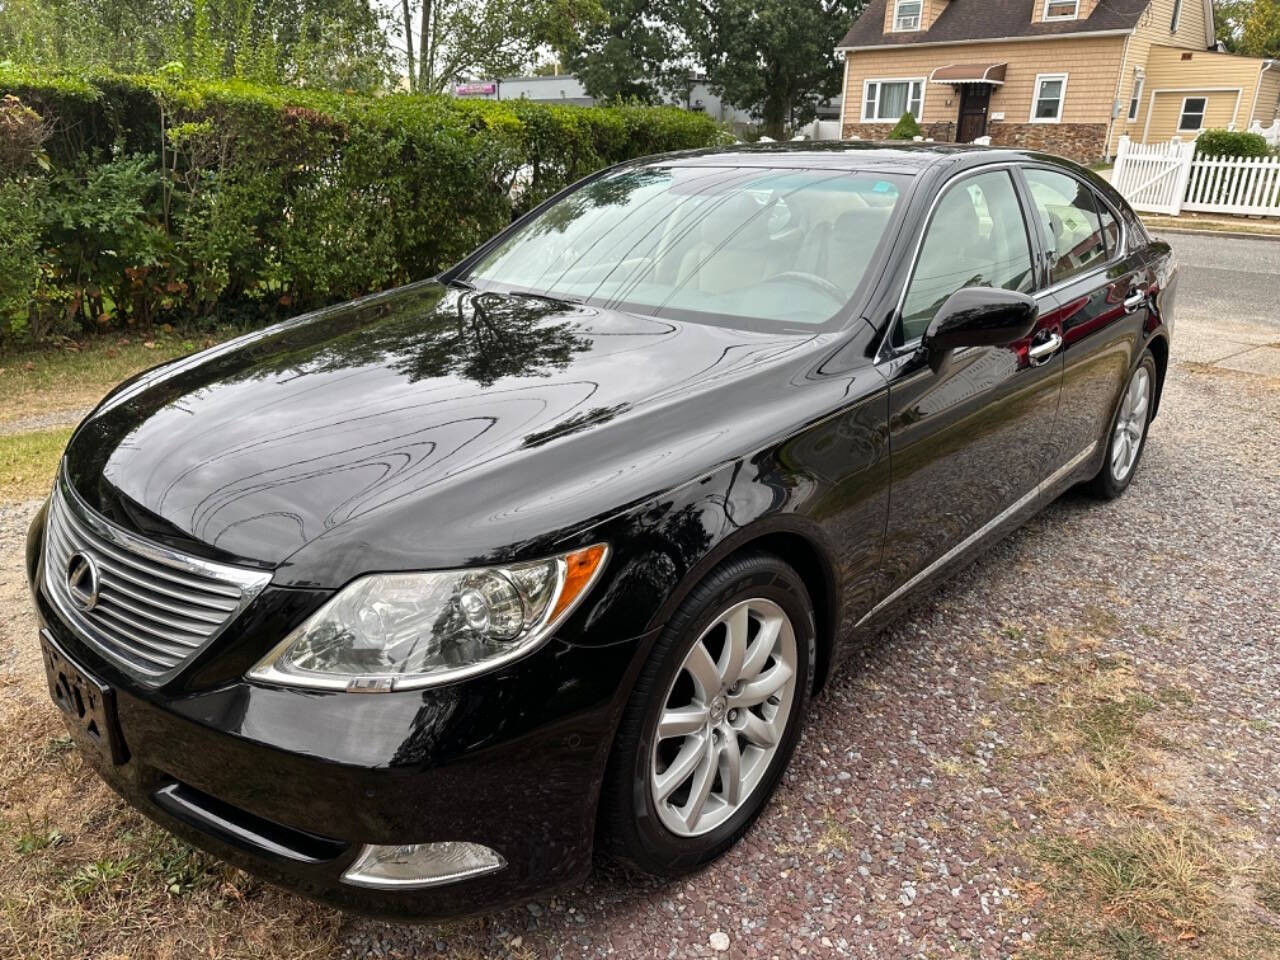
(82, 581)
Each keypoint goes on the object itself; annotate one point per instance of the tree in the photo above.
(628, 50)
(1260, 33)
(469, 39)
(339, 44)
(1228, 21)
(907, 128)
(774, 57)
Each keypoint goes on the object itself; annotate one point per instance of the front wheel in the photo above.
(1128, 436)
(713, 719)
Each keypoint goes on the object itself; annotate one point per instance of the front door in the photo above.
(975, 98)
(970, 442)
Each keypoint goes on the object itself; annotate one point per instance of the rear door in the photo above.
(969, 443)
(1102, 282)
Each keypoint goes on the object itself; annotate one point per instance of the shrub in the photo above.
(907, 128)
(177, 201)
(1231, 143)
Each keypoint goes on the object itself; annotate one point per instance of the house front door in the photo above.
(975, 98)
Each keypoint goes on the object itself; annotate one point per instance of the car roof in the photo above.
(898, 157)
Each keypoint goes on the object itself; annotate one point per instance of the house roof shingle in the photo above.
(990, 20)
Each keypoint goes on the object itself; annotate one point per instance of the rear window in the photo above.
(767, 249)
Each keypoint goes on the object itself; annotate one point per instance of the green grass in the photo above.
(28, 462)
(72, 375)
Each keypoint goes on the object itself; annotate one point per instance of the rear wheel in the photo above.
(1128, 436)
(713, 719)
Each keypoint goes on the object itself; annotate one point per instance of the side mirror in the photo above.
(979, 317)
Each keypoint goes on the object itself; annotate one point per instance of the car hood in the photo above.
(425, 427)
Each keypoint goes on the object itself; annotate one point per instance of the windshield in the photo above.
(768, 249)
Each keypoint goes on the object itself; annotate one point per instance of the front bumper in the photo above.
(290, 785)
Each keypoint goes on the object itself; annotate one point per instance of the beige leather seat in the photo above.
(731, 250)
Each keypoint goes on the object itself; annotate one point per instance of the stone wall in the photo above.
(1081, 142)
(943, 132)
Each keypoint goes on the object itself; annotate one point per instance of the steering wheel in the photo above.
(821, 284)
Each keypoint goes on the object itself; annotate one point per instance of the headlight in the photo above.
(398, 631)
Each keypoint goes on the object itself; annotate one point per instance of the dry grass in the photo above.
(83, 875)
(73, 375)
(1131, 863)
(28, 462)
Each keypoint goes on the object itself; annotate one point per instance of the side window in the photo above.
(977, 238)
(1110, 228)
(1067, 212)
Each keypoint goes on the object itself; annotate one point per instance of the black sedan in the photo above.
(412, 603)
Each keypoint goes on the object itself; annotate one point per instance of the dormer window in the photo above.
(906, 15)
(1061, 9)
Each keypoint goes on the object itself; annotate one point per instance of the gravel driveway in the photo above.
(1123, 647)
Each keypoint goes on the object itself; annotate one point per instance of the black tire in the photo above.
(631, 830)
(1106, 485)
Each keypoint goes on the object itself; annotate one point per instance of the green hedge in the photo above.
(141, 200)
(1231, 143)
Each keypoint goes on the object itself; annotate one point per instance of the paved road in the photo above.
(1227, 277)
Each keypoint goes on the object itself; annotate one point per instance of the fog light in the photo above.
(421, 864)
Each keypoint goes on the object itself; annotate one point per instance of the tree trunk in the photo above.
(426, 47)
(775, 117)
(408, 45)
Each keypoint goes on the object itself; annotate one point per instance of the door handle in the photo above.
(1041, 352)
(1135, 300)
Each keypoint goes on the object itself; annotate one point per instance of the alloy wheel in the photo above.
(724, 717)
(1131, 424)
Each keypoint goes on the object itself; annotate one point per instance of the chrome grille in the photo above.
(153, 609)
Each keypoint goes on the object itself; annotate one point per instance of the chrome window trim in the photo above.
(1121, 247)
(912, 345)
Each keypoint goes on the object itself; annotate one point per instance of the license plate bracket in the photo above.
(88, 705)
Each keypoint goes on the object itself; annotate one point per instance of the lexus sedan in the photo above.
(414, 603)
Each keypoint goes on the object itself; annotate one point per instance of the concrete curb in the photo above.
(1228, 234)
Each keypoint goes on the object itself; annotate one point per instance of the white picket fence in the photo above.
(1169, 178)
(1271, 133)
(1242, 185)
(1153, 176)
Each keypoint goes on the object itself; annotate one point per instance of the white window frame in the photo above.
(1073, 15)
(1041, 78)
(878, 81)
(1204, 112)
(897, 4)
(1135, 102)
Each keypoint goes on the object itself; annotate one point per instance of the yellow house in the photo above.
(1067, 76)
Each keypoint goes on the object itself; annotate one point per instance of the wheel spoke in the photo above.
(681, 721)
(759, 731)
(703, 777)
(737, 626)
(762, 687)
(1139, 411)
(703, 670)
(692, 753)
(731, 770)
(761, 648)
(1121, 454)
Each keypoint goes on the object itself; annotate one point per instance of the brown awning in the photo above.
(992, 73)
